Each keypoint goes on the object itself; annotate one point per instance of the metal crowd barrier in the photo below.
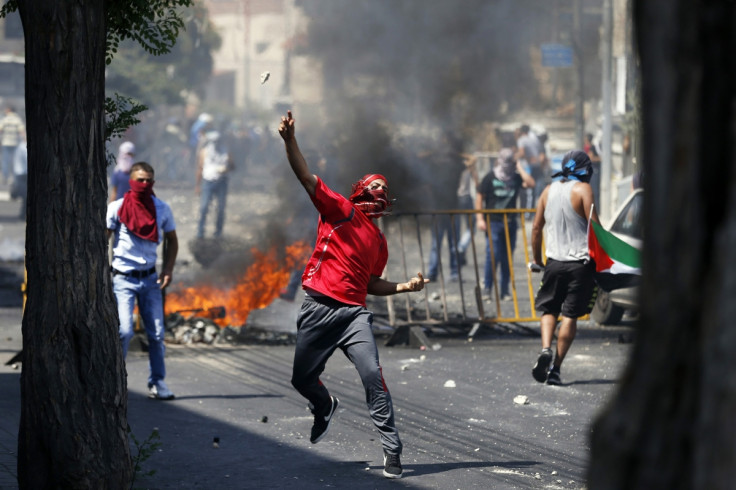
(460, 302)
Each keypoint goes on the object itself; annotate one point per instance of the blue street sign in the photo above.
(556, 55)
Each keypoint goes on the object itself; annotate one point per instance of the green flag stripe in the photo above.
(617, 249)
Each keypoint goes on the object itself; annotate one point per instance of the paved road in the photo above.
(472, 435)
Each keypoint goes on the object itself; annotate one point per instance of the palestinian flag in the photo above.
(617, 264)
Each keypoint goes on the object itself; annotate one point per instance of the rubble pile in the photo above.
(195, 329)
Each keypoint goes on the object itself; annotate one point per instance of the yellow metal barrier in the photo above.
(448, 301)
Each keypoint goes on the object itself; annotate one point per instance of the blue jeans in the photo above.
(212, 189)
(444, 227)
(498, 235)
(8, 155)
(151, 308)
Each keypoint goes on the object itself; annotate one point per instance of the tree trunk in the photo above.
(671, 424)
(73, 388)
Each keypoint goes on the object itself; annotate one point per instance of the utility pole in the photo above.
(289, 34)
(580, 104)
(606, 89)
(248, 51)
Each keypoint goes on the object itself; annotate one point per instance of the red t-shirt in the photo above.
(349, 250)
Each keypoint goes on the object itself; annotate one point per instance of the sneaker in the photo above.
(322, 422)
(160, 391)
(541, 368)
(506, 297)
(392, 465)
(554, 377)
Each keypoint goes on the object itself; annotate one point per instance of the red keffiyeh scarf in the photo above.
(374, 203)
(138, 211)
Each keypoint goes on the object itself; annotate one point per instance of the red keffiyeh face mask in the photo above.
(374, 203)
(143, 189)
(138, 211)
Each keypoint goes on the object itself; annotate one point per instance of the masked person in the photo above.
(346, 265)
(140, 221)
(568, 283)
(120, 178)
(500, 190)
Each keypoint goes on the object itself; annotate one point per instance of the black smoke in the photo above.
(401, 77)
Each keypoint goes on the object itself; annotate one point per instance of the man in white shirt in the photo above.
(139, 222)
(213, 164)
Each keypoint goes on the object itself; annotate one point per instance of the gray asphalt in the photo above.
(455, 406)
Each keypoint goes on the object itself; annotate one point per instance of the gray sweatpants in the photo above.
(325, 324)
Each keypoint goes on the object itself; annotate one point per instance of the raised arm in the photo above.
(527, 180)
(294, 154)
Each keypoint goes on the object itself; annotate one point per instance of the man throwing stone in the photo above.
(346, 265)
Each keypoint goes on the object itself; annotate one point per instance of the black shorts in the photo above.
(568, 288)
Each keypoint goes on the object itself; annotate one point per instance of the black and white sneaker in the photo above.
(159, 391)
(554, 377)
(323, 420)
(392, 465)
(541, 368)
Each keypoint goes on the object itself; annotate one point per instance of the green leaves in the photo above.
(154, 24)
(144, 450)
(8, 7)
(120, 113)
(172, 76)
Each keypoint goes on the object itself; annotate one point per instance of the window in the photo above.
(629, 221)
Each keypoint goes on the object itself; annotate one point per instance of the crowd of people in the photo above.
(174, 143)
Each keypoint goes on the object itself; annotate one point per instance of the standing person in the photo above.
(500, 189)
(465, 190)
(13, 132)
(346, 265)
(568, 282)
(120, 179)
(19, 188)
(445, 164)
(213, 164)
(528, 150)
(197, 130)
(140, 221)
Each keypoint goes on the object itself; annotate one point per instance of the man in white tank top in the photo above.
(568, 285)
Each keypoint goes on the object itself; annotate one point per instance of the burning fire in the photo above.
(258, 287)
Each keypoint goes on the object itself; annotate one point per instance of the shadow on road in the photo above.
(431, 469)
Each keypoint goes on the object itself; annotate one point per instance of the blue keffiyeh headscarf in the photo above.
(576, 165)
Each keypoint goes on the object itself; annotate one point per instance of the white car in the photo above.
(628, 226)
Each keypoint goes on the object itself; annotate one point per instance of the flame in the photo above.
(257, 288)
